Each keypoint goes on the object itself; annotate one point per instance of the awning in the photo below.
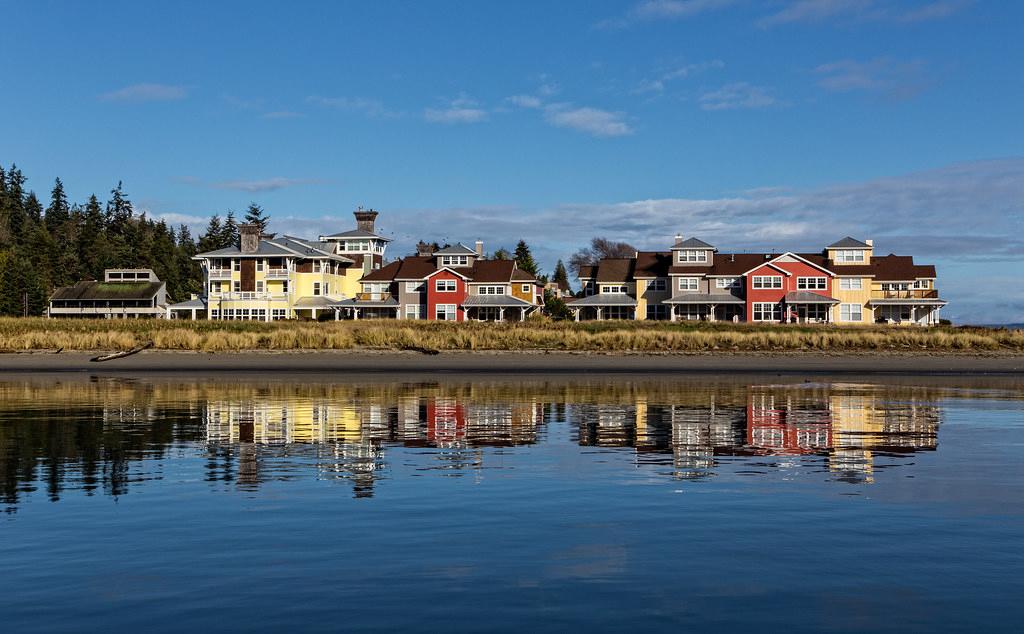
(907, 301)
(602, 299)
(807, 297)
(495, 301)
(192, 304)
(304, 303)
(704, 298)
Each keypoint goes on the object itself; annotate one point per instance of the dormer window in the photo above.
(691, 255)
(454, 260)
(850, 255)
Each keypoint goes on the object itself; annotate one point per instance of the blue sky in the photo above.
(752, 124)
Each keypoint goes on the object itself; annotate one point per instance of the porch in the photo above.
(705, 307)
(912, 311)
(805, 307)
(600, 307)
(194, 308)
(496, 308)
(368, 306)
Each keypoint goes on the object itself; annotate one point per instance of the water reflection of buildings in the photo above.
(346, 439)
(849, 426)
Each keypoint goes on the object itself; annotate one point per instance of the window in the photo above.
(492, 290)
(588, 288)
(414, 287)
(850, 255)
(317, 266)
(236, 265)
(811, 283)
(618, 312)
(284, 286)
(526, 288)
(259, 265)
(920, 284)
(851, 283)
(259, 286)
(767, 281)
(615, 288)
(412, 311)
(236, 286)
(316, 288)
(454, 260)
(657, 285)
(214, 287)
(767, 312)
(899, 286)
(444, 286)
(691, 255)
(688, 283)
(445, 312)
(278, 313)
(657, 311)
(850, 312)
(727, 282)
(214, 314)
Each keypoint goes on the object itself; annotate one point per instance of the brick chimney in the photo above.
(480, 249)
(424, 250)
(365, 219)
(249, 238)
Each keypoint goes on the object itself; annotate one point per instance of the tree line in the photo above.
(46, 247)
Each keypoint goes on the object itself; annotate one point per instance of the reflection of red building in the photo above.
(446, 421)
(773, 430)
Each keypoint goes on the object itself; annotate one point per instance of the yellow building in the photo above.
(267, 278)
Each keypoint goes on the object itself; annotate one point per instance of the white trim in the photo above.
(772, 264)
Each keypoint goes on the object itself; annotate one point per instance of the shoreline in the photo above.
(362, 362)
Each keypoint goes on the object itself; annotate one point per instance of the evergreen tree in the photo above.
(255, 215)
(524, 259)
(14, 206)
(59, 212)
(561, 276)
(229, 235)
(92, 241)
(20, 284)
(210, 239)
(189, 271)
(501, 254)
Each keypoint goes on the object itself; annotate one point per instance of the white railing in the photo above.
(277, 274)
(220, 273)
(247, 295)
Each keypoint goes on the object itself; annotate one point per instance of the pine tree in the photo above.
(92, 241)
(210, 239)
(189, 272)
(59, 212)
(14, 206)
(561, 276)
(524, 259)
(255, 215)
(229, 235)
(19, 282)
(501, 254)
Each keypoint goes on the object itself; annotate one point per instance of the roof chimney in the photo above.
(480, 249)
(249, 237)
(424, 250)
(365, 219)
(869, 242)
(679, 238)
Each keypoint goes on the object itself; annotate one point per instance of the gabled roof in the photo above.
(587, 271)
(113, 291)
(519, 275)
(493, 271)
(810, 259)
(457, 249)
(286, 246)
(385, 273)
(615, 269)
(691, 243)
(415, 267)
(849, 243)
(651, 264)
(354, 233)
(464, 273)
(888, 268)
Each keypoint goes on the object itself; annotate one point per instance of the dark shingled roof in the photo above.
(692, 243)
(650, 264)
(615, 269)
(849, 243)
(385, 273)
(457, 249)
(496, 271)
(587, 270)
(888, 268)
(356, 233)
(93, 290)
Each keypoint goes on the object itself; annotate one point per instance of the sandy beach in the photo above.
(521, 363)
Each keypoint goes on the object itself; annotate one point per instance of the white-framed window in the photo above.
(278, 313)
(454, 260)
(414, 287)
(896, 286)
(236, 286)
(727, 282)
(688, 283)
(850, 255)
(764, 311)
(525, 288)
(491, 290)
(922, 284)
(850, 312)
(259, 265)
(767, 281)
(445, 312)
(260, 287)
(214, 313)
(284, 286)
(412, 311)
(811, 283)
(851, 283)
(444, 286)
(657, 285)
(691, 255)
(214, 287)
(236, 265)
(615, 289)
(316, 288)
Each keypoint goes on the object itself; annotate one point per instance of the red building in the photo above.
(447, 290)
(790, 288)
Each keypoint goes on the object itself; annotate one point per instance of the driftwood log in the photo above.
(123, 353)
(421, 349)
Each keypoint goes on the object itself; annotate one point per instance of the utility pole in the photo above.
(24, 304)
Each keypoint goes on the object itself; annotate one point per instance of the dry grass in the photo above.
(43, 334)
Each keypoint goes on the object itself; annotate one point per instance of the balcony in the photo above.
(246, 295)
(277, 274)
(373, 297)
(220, 274)
(910, 294)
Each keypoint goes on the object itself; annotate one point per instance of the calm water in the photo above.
(543, 505)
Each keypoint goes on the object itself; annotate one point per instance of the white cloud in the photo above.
(525, 101)
(658, 84)
(900, 80)
(139, 93)
(863, 10)
(252, 186)
(735, 96)
(601, 123)
(373, 108)
(656, 10)
(459, 110)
